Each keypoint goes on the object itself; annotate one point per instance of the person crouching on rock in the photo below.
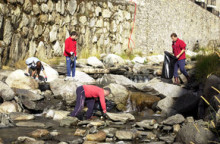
(34, 66)
(179, 48)
(88, 94)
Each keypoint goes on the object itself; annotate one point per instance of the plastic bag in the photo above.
(168, 65)
(109, 105)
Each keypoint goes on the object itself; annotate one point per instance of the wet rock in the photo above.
(5, 121)
(6, 92)
(95, 62)
(56, 114)
(54, 133)
(29, 140)
(119, 95)
(167, 139)
(17, 79)
(79, 132)
(148, 124)
(26, 94)
(39, 133)
(30, 124)
(124, 135)
(118, 79)
(123, 117)
(194, 132)
(69, 121)
(113, 60)
(176, 119)
(8, 107)
(110, 132)
(99, 137)
(21, 116)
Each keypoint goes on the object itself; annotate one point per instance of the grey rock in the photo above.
(147, 124)
(69, 121)
(21, 116)
(44, 8)
(71, 6)
(123, 117)
(38, 30)
(36, 9)
(6, 92)
(30, 124)
(60, 7)
(95, 62)
(168, 139)
(25, 21)
(7, 32)
(124, 135)
(199, 135)
(113, 60)
(176, 119)
(26, 94)
(53, 34)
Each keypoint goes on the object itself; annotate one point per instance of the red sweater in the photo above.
(92, 91)
(70, 46)
(178, 46)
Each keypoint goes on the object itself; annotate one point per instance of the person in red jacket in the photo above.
(179, 48)
(89, 94)
(70, 51)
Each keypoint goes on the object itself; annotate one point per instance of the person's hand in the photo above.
(105, 116)
(177, 56)
(71, 53)
(27, 74)
(45, 78)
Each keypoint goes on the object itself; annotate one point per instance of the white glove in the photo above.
(71, 53)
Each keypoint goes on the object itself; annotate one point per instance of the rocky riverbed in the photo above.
(152, 111)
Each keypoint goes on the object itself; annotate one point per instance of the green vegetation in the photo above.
(206, 65)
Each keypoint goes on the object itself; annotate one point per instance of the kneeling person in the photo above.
(88, 94)
(35, 65)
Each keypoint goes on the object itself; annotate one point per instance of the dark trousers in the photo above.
(71, 66)
(80, 101)
(180, 64)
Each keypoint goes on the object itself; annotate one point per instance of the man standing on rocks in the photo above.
(89, 94)
(179, 48)
(70, 54)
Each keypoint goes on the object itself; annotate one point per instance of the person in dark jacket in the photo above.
(35, 65)
(179, 48)
(70, 54)
(89, 94)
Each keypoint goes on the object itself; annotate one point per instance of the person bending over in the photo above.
(35, 65)
(179, 48)
(89, 94)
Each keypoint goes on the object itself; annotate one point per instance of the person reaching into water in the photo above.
(35, 65)
(179, 48)
(89, 94)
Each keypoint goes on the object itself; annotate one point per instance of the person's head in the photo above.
(107, 91)
(174, 37)
(73, 35)
(38, 65)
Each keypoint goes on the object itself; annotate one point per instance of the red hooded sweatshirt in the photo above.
(178, 46)
(70, 46)
(92, 91)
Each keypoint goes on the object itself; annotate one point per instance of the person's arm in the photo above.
(102, 101)
(75, 49)
(27, 70)
(67, 47)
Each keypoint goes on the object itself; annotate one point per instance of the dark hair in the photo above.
(73, 33)
(108, 89)
(38, 65)
(173, 35)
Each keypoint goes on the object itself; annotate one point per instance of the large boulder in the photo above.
(26, 94)
(52, 74)
(155, 59)
(6, 92)
(95, 62)
(113, 60)
(84, 78)
(8, 107)
(118, 79)
(194, 133)
(119, 95)
(17, 79)
(66, 89)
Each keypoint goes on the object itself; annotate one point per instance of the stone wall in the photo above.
(39, 27)
(157, 19)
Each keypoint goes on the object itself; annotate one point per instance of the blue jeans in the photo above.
(71, 66)
(180, 64)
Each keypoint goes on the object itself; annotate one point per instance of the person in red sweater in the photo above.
(70, 51)
(89, 94)
(179, 48)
